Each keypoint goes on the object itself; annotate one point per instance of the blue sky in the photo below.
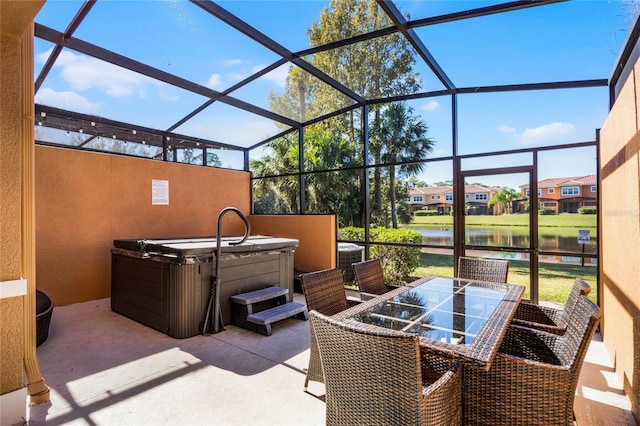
(560, 42)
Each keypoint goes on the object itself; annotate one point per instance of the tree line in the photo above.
(398, 138)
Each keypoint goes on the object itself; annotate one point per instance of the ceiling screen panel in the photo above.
(176, 37)
(229, 125)
(82, 83)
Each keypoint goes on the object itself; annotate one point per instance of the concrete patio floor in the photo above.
(105, 369)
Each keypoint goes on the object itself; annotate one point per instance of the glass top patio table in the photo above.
(457, 317)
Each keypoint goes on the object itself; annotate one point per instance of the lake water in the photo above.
(550, 239)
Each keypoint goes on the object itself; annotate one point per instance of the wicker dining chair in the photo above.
(370, 278)
(323, 291)
(550, 319)
(533, 378)
(380, 378)
(475, 268)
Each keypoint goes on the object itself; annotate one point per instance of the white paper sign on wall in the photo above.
(159, 192)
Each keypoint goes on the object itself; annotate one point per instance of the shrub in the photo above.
(587, 210)
(351, 233)
(426, 213)
(546, 212)
(398, 262)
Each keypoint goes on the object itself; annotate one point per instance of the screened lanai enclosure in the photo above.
(471, 126)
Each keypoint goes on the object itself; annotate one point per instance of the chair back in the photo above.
(324, 291)
(370, 277)
(370, 378)
(580, 287)
(572, 346)
(474, 268)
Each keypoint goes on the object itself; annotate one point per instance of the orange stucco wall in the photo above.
(11, 309)
(620, 216)
(86, 200)
(17, 325)
(317, 235)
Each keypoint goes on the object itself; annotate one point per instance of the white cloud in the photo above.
(215, 81)
(232, 62)
(506, 129)
(66, 100)
(431, 106)
(236, 76)
(84, 73)
(546, 132)
(278, 76)
(168, 93)
(551, 132)
(224, 128)
(42, 57)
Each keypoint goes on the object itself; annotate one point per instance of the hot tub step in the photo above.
(264, 319)
(257, 310)
(261, 295)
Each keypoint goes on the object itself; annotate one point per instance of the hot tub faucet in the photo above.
(214, 299)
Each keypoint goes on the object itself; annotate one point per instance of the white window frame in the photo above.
(482, 197)
(570, 190)
(594, 188)
(551, 191)
(448, 197)
(417, 198)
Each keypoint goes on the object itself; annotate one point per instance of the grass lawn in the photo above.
(554, 279)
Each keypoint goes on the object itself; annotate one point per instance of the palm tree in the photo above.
(403, 139)
(331, 192)
(283, 159)
(504, 198)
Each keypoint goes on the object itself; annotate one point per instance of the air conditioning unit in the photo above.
(348, 254)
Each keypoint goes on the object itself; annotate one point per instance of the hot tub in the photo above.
(166, 283)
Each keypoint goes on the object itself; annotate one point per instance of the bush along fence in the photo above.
(398, 262)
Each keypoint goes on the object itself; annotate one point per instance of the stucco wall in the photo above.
(86, 200)
(317, 235)
(620, 235)
(11, 309)
(15, 18)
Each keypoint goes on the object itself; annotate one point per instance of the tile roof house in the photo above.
(564, 195)
(440, 198)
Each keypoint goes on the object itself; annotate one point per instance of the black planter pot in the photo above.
(44, 309)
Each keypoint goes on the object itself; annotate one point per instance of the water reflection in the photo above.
(442, 309)
(399, 312)
(548, 240)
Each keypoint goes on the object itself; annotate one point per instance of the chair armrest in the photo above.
(531, 344)
(555, 329)
(453, 373)
(353, 301)
(536, 313)
(444, 397)
(530, 364)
